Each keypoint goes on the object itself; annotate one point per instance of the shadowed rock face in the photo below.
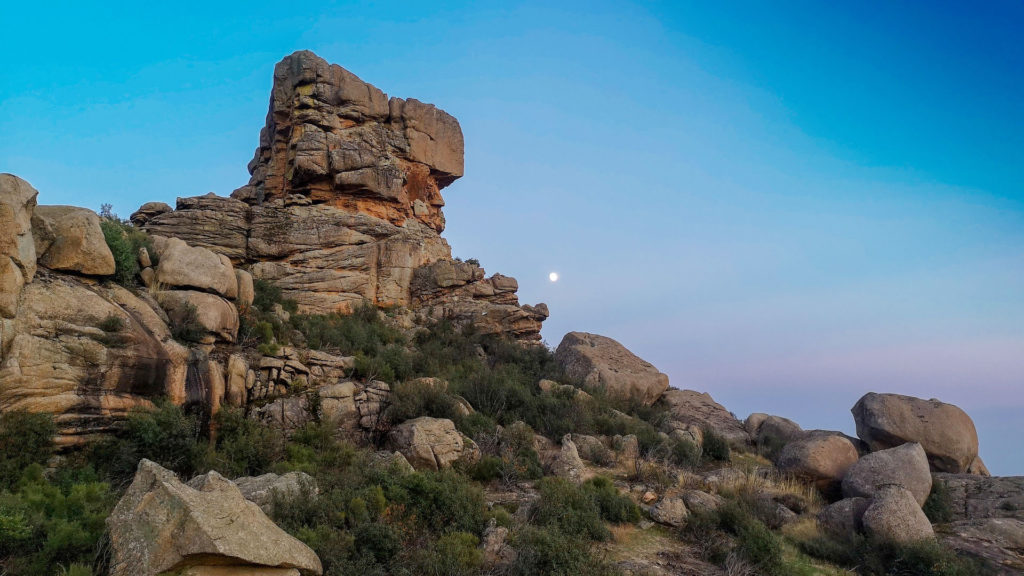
(344, 205)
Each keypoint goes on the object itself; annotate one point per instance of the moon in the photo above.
(553, 276)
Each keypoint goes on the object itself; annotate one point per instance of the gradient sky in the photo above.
(785, 204)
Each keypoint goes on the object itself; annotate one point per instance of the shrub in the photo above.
(548, 550)
(614, 507)
(165, 434)
(45, 525)
(244, 447)
(124, 241)
(112, 323)
(187, 327)
(453, 554)
(939, 506)
(32, 434)
(487, 469)
(682, 452)
(570, 508)
(715, 446)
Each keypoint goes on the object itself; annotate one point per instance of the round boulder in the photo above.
(894, 515)
(600, 362)
(822, 460)
(946, 432)
(906, 465)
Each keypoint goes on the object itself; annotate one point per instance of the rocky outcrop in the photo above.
(88, 354)
(699, 410)
(164, 526)
(432, 443)
(905, 465)
(976, 497)
(946, 432)
(344, 206)
(821, 459)
(602, 363)
(895, 516)
(210, 316)
(69, 238)
(17, 247)
(998, 541)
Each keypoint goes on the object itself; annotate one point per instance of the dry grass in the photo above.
(770, 481)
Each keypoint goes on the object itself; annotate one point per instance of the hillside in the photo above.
(301, 379)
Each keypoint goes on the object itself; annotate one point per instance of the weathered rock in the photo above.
(766, 429)
(393, 460)
(600, 362)
(246, 289)
(844, 519)
(946, 432)
(670, 511)
(494, 544)
(978, 497)
(978, 468)
(17, 248)
(337, 401)
(698, 409)
(343, 206)
(701, 502)
(216, 317)
(568, 463)
(58, 359)
(999, 541)
(627, 447)
(822, 460)
(905, 465)
(148, 211)
(591, 448)
(184, 266)
(432, 443)
(235, 392)
(161, 526)
(70, 238)
(262, 490)
(894, 515)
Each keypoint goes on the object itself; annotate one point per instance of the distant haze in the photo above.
(785, 204)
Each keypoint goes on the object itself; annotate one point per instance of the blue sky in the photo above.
(785, 204)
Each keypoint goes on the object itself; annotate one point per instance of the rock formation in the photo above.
(946, 432)
(905, 465)
(163, 526)
(600, 362)
(344, 206)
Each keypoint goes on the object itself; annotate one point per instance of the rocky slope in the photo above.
(233, 302)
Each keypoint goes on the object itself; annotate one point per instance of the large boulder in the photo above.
(690, 409)
(88, 354)
(162, 526)
(600, 362)
(821, 459)
(207, 317)
(946, 432)
(69, 238)
(769, 430)
(432, 443)
(844, 519)
(17, 248)
(905, 465)
(895, 516)
(194, 267)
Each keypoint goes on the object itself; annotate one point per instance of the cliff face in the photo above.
(344, 205)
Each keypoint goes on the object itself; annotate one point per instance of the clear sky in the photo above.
(786, 204)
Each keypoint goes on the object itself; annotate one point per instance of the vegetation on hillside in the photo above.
(371, 517)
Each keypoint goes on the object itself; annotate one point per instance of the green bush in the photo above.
(244, 447)
(550, 551)
(26, 438)
(124, 241)
(570, 508)
(165, 434)
(715, 446)
(112, 323)
(614, 507)
(939, 506)
(44, 525)
(453, 554)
